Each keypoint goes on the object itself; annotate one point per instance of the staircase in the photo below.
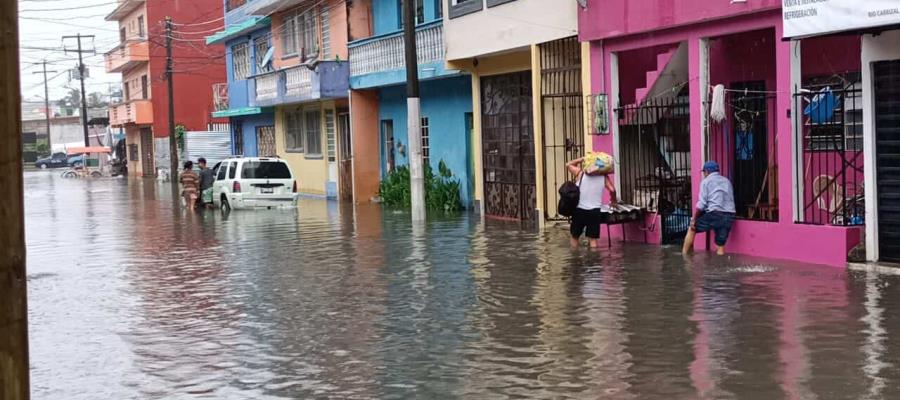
(671, 69)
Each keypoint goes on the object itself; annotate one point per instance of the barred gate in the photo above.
(562, 110)
(655, 161)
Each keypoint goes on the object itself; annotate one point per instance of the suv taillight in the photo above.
(236, 187)
(295, 186)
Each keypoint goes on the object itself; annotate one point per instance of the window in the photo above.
(313, 133)
(289, 36)
(261, 47)
(326, 34)
(293, 132)
(223, 169)
(240, 55)
(426, 151)
(265, 170)
(310, 39)
(232, 4)
(438, 9)
(420, 12)
(387, 134)
(232, 170)
(133, 152)
(459, 8)
(144, 86)
(238, 139)
(494, 3)
(140, 22)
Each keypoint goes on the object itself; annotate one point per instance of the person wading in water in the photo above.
(589, 214)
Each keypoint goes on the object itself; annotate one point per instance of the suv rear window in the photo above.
(265, 170)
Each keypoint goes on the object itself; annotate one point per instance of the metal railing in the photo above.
(831, 136)
(298, 81)
(655, 161)
(745, 145)
(386, 52)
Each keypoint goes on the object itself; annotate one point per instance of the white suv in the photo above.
(250, 182)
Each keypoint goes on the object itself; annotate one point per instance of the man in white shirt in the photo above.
(589, 214)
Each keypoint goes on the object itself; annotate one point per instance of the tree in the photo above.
(96, 100)
(71, 100)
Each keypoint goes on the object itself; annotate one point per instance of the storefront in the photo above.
(870, 108)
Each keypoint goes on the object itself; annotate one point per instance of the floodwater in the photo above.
(130, 298)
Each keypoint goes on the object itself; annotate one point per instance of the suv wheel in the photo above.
(224, 205)
(43, 166)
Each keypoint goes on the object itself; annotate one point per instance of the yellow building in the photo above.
(528, 86)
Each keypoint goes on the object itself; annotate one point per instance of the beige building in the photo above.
(527, 97)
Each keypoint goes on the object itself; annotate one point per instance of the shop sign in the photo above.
(817, 17)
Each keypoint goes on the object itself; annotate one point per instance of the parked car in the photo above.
(76, 160)
(254, 182)
(56, 160)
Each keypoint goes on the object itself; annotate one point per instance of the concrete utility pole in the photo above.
(13, 307)
(46, 105)
(413, 125)
(173, 143)
(81, 73)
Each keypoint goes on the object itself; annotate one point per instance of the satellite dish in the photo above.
(267, 58)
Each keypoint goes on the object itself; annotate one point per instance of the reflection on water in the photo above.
(131, 297)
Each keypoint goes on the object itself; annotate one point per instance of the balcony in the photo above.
(136, 112)
(386, 52)
(127, 55)
(327, 80)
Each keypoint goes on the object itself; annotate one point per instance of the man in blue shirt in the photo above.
(715, 208)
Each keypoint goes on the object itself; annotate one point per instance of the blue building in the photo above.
(248, 52)
(378, 98)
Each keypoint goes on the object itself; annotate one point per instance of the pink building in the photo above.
(787, 129)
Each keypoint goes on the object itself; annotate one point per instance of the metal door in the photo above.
(562, 111)
(147, 151)
(345, 155)
(887, 161)
(507, 136)
(265, 140)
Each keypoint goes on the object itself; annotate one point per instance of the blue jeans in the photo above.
(718, 222)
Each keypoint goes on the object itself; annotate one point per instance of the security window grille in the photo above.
(293, 133)
(426, 149)
(240, 55)
(329, 136)
(313, 133)
(326, 33)
(262, 47)
(238, 139)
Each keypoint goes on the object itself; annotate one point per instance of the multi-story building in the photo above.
(378, 98)
(300, 72)
(248, 53)
(679, 85)
(141, 59)
(526, 84)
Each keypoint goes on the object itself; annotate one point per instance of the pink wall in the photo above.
(633, 68)
(830, 55)
(783, 239)
(612, 18)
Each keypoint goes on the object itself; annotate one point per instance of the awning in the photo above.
(249, 25)
(92, 149)
(237, 112)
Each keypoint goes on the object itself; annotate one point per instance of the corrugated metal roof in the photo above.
(213, 146)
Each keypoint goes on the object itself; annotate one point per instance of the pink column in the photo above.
(696, 98)
(783, 124)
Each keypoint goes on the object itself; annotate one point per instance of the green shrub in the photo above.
(441, 190)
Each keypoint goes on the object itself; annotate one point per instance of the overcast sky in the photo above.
(42, 23)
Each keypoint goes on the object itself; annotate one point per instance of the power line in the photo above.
(200, 23)
(71, 8)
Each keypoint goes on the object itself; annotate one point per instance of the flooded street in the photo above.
(131, 298)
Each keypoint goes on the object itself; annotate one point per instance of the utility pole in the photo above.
(47, 105)
(81, 73)
(14, 378)
(413, 123)
(173, 145)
